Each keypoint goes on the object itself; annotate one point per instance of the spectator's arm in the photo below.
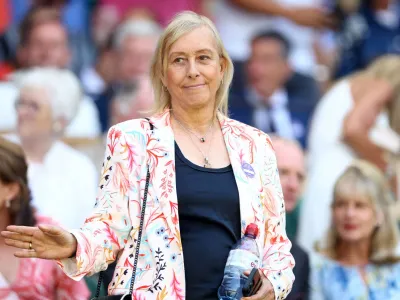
(277, 261)
(357, 124)
(306, 16)
(266, 7)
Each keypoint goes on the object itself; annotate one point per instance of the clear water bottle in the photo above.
(244, 256)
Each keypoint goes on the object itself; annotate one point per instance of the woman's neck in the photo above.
(354, 254)
(36, 149)
(197, 120)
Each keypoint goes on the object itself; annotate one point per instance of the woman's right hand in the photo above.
(45, 241)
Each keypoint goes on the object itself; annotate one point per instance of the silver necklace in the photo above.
(201, 139)
(207, 163)
(205, 157)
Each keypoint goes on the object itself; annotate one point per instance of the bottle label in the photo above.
(243, 259)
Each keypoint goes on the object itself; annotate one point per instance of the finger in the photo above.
(50, 229)
(22, 229)
(26, 254)
(17, 244)
(16, 236)
(262, 293)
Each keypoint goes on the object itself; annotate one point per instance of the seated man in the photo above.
(291, 166)
(275, 100)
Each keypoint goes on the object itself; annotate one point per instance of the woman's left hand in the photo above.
(266, 291)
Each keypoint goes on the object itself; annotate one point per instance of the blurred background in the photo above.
(308, 71)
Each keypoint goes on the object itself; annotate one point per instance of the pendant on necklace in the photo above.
(202, 140)
(206, 163)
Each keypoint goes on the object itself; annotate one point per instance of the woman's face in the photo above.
(34, 113)
(194, 70)
(354, 218)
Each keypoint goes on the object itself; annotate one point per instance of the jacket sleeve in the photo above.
(106, 231)
(277, 262)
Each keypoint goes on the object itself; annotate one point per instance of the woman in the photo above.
(61, 178)
(185, 243)
(27, 278)
(343, 126)
(359, 259)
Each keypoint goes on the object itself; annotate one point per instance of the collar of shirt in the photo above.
(278, 100)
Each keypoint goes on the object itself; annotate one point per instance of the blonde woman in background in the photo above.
(342, 129)
(358, 259)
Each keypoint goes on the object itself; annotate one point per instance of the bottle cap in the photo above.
(252, 229)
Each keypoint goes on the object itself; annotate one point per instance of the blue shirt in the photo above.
(331, 280)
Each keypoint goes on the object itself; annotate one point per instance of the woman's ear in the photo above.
(222, 63)
(59, 125)
(12, 190)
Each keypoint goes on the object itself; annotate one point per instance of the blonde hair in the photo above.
(387, 68)
(363, 179)
(180, 25)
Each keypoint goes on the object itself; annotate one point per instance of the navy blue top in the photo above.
(209, 220)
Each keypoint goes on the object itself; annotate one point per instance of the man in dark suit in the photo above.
(291, 166)
(274, 99)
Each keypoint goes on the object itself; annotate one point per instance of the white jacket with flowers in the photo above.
(110, 233)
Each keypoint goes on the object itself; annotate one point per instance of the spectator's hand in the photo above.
(266, 291)
(45, 241)
(311, 17)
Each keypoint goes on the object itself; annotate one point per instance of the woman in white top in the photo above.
(341, 130)
(63, 181)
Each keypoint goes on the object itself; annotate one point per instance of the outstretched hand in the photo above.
(45, 241)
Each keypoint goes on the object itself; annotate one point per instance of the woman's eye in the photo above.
(204, 57)
(178, 60)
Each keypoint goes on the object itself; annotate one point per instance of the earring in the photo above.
(8, 203)
(57, 127)
(165, 88)
(222, 81)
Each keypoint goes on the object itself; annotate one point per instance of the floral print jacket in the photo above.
(110, 233)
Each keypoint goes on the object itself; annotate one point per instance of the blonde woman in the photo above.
(345, 120)
(199, 202)
(358, 258)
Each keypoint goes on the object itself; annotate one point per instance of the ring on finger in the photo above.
(30, 245)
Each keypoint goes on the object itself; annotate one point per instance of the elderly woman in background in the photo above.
(28, 278)
(199, 201)
(63, 181)
(345, 125)
(358, 260)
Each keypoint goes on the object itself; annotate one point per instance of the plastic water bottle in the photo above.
(244, 256)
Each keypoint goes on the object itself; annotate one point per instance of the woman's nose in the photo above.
(193, 71)
(350, 211)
